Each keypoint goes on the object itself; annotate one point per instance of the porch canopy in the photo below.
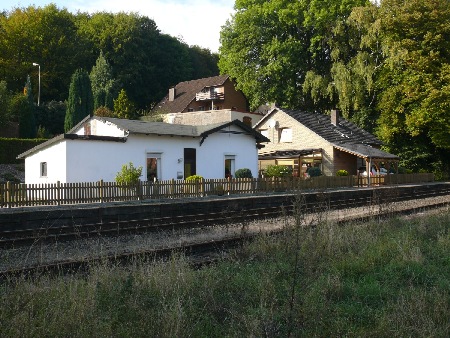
(372, 156)
(286, 154)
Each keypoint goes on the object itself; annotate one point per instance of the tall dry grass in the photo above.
(316, 278)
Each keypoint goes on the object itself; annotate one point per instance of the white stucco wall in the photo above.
(56, 164)
(92, 160)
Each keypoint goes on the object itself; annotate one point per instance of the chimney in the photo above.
(172, 93)
(335, 117)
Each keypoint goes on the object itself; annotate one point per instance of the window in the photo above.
(153, 166)
(190, 110)
(286, 135)
(43, 169)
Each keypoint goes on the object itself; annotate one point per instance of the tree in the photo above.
(23, 107)
(270, 47)
(103, 84)
(80, 103)
(5, 100)
(46, 35)
(123, 107)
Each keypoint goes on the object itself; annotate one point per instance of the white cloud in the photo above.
(197, 22)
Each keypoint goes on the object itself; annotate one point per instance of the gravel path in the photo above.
(82, 249)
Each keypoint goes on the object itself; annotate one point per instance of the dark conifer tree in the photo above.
(80, 102)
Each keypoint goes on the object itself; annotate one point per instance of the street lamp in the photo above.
(39, 91)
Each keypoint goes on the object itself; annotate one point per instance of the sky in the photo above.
(196, 22)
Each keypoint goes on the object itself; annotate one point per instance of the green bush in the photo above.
(129, 174)
(243, 173)
(314, 172)
(342, 172)
(194, 178)
(10, 148)
(278, 171)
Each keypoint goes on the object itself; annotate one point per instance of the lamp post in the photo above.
(39, 90)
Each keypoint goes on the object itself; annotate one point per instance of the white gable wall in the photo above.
(54, 156)
(211, 155)
(103, 128)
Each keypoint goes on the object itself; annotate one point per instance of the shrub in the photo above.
(194, 178)
(243, 173)
(129, 174)
(314, 172)
(278, 171)
(342, 172)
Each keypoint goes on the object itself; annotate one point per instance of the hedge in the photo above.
(10, 148)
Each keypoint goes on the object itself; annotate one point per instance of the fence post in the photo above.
(100, 190)
(58, 193)
(8, 194)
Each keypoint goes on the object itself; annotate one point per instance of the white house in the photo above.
(98, 147)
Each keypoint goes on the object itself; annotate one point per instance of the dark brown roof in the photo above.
(185, 93)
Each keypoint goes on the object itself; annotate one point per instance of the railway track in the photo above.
(375, 206)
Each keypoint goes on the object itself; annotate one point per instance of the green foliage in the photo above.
(5, 101)
(278, 171)
(10, 148)
(24, 110)
(103, 84)
(80, 103)
(314, 172)
(415, 79)
(123, 107)
(129, 174)
(243, 173)
(50, 115)
(145, 61)
(194, 178)
(280, 51)
(342, 172)
(104, 111)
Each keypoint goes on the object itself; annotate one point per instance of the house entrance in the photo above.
(229, 166)
(190, 160)
(153, 166)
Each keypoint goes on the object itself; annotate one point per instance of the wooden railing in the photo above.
(18, 195)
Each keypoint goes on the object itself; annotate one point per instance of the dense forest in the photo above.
(385, 64)
(142, 61)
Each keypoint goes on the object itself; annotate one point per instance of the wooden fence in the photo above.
(18, 195)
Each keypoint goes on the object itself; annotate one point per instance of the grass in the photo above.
(389, 279)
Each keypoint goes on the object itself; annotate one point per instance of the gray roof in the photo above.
(150, 128)
(365, 151)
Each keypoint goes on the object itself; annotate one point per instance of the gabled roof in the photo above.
(151, 128)
(185, 93)
(344, 132)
